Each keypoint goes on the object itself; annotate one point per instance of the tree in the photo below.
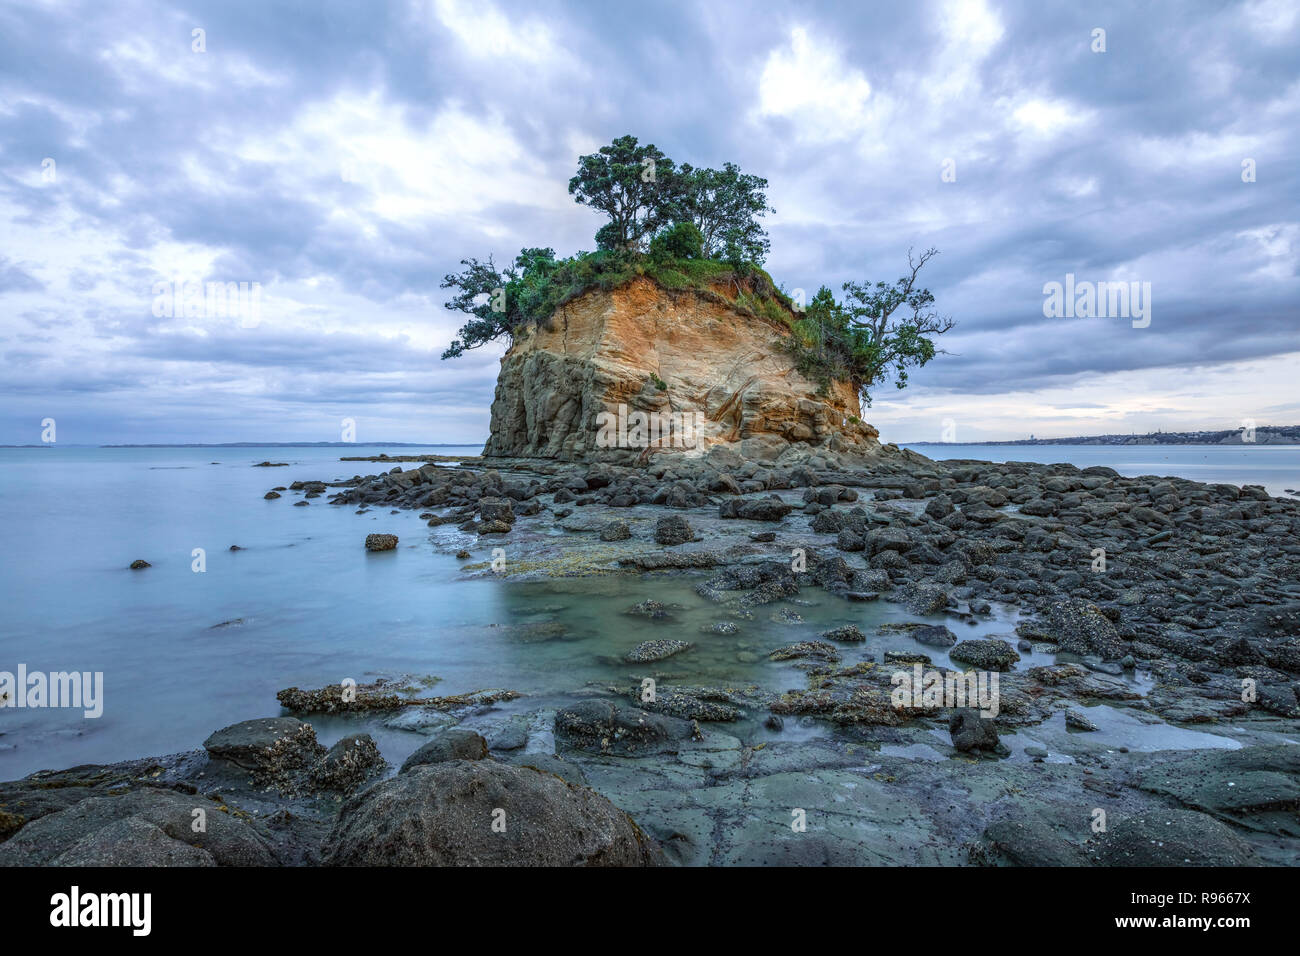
(889, 326)
(498, 302)
(623, 180)
(679, 241)
(725, 205)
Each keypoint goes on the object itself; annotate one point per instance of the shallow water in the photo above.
(311, 607)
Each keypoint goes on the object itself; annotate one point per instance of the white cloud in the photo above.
(810, 83)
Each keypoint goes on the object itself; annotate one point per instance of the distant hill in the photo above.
(1264, 435)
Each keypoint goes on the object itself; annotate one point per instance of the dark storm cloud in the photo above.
(1120, 164)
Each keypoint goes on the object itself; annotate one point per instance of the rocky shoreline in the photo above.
(1158, 611)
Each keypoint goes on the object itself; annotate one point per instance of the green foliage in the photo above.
(696, 229)
(659, 383)
(622, 180)
(725, 205)
(876, 332)
(680, 241)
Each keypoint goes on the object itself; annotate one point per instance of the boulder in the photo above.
(147, 827)
(455, 744)
(483, 813)
(989, 654)
(673, 530)
(970, 731)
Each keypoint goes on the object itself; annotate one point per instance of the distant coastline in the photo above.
(1264, 435)
(272, 444)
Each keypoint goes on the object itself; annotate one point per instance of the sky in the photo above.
(341, 158)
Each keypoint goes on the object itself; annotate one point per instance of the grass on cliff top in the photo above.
(743, 286)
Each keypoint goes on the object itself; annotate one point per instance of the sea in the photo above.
(206, 635)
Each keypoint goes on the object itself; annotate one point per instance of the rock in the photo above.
(1171, 838)
(762, 537)
(887, 539)
(132, 842)
(271, 495)
(849, 540)
(849, 632)
(463, 555)
(583, 359)
(1028, 840)
(925, 599)
(939, 507)
(269, 747)
(989, 654)
(550, 763)
(616, 728)
(970, 731)
(1080, 627)
(934, 635)
(381, 542)
(140, 564)
(720, 627)
(648, 651)
(803, 650)
(673, 530)
(482, 813)
(615, 531)
(348, 764)
(496, 509)
(146, 827)
(1076, 721)
(761, 509)
(453, 744)
(652, 609)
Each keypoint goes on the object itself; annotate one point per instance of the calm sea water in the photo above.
(310, 606)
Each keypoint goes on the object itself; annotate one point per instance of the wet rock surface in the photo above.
(1159, 684)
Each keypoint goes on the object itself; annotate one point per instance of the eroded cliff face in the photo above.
(679, 359)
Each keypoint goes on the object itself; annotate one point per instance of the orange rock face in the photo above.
(689, 372)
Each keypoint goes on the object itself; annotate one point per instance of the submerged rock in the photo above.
(381, 542)
(648, 651)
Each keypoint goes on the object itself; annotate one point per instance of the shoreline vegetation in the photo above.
(697, 230)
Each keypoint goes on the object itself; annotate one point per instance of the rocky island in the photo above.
(835, 651)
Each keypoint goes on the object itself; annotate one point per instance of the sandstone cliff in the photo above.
(712, 375)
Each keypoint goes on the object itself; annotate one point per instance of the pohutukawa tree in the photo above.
(876, 332)
(725, 205)
(624, 181)
(684, 225)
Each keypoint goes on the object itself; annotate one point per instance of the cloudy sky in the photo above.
(346, 155)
